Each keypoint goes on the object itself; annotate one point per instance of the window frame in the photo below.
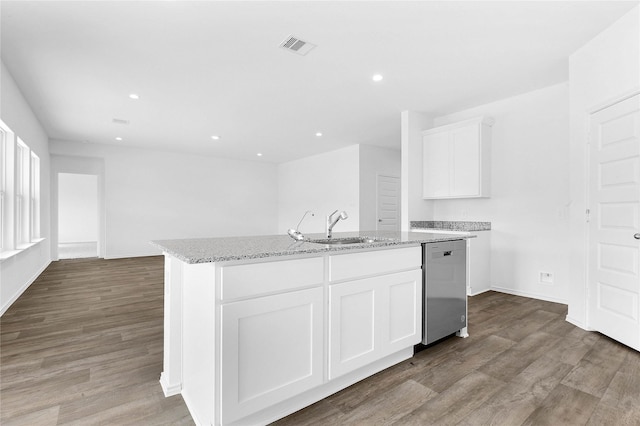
(3, 188)
(20, 195)
(34, 196)
(22, 190)
(7, 170)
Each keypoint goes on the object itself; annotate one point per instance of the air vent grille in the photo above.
(120, 121)
(295, 45)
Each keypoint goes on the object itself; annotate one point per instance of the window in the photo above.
(19, 194)
(3, 187)
(35, 197)
(7, 179)
(22, 194)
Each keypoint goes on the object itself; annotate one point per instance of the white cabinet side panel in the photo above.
(198, 369)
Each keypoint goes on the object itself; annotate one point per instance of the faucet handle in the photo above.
(295, 234)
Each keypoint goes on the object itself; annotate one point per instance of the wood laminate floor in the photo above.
(83, 346)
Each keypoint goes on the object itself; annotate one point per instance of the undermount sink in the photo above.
(351, 240)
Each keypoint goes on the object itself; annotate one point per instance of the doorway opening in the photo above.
(78, 215)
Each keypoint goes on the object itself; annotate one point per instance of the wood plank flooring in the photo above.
(523, 364)
(83, 346)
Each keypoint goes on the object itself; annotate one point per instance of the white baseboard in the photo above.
(187, 401)
(479, 292)
(168, 389)
(527, 294)
(22, 289)
(577, 323)
(125, 255)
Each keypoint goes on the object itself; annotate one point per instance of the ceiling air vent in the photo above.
(295, 45)
(120, 121)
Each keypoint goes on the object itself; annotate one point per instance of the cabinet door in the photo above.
(457, 160)
(403, 311)
(436, 180)
(465, 161)
(354, 337)
(372, 318)
(272, 349)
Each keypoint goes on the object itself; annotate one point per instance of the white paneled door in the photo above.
(614, 224)
(388, 203)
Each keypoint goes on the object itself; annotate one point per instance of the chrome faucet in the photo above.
(295, 233)
(332, 222)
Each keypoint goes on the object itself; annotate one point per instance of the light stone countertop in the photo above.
(206, 250)
(448, 225)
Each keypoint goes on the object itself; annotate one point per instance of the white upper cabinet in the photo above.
(457, 160)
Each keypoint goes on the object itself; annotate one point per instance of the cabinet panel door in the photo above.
(457, 160)
(465, 161)
(403, 326)
(372, 318)
(436, 165)
(272, 349)
(353, 338)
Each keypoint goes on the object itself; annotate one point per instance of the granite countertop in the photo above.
(451, 225)
(206, 250)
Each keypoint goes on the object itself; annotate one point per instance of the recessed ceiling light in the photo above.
(215, 137)
(134, 96)
(259, 154)
(118, 138)
(318, 134)
(377, 77)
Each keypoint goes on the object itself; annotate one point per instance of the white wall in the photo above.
(321, 183)
(413, 207)
(374, 161)
(77, 208)
(152, 195)
(19, 271)
(600, 72)
(528, 207)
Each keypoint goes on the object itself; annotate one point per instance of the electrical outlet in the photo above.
(546, 277)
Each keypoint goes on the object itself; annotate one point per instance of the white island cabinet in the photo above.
(272, 344)
(374, 311)
(251, 341)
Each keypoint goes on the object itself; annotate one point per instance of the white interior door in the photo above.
(388, 203)
(614, 204)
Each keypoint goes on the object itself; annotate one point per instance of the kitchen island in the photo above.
(259, 327)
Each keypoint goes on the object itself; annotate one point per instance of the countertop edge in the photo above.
(451, 225)
(294, 249)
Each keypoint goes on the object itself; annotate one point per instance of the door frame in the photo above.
(587, 167)
(84, 166)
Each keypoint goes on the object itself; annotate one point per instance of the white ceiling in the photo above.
(215, 68)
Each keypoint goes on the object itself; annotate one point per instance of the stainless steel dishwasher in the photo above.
(445, 290)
